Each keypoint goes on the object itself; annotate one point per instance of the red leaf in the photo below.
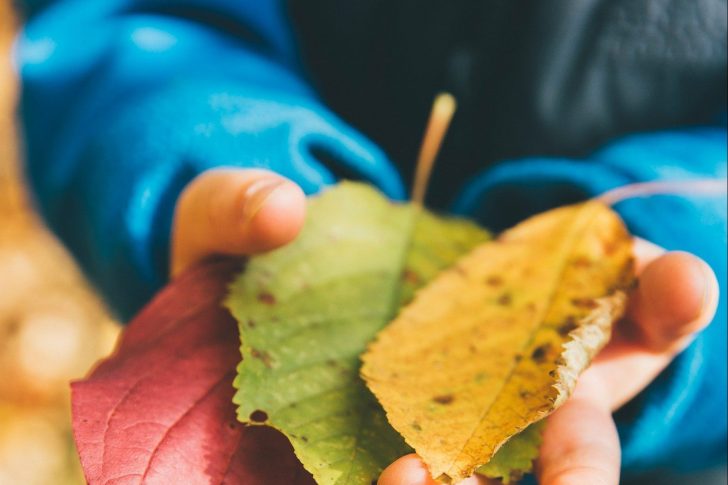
(160, 410)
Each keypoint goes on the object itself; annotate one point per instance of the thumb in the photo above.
(410, 470)
(234, 212)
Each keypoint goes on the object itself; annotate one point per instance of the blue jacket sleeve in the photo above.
(124, 101)
(679, 421)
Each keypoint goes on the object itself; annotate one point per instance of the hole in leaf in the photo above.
(258, 416)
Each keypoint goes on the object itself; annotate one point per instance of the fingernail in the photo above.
(257, 194)
(710, 295)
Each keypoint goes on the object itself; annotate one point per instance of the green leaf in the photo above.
(307, 311)
(515, 458)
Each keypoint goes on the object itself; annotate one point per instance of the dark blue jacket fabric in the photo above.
(125, 101)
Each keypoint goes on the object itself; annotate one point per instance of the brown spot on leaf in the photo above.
(266, 298)
(567, 327)
(610, 247)
(626, 280)
(305, 438)
(581, 262)
(258, 416)
(444, 399)
(586, 303)
(251, 323)
(539, 353)
(261, 355)
(505, 299)
(416, 426)
(410, 276)
(494, 280)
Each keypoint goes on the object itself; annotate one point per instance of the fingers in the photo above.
(234, 212)
(409, 470)
(580, 443)
(677, 296)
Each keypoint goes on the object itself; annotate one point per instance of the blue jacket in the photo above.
(124, 103)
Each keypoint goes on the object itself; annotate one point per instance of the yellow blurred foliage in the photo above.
(52, 326)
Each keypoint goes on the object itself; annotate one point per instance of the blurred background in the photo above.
(52, 326)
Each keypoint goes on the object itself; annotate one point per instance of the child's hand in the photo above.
(677, 296)
(241, 212)
(236, 212)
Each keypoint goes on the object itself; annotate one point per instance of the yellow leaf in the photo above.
(497, 342)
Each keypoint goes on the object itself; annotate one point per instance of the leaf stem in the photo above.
(442, 112)
(696, 187)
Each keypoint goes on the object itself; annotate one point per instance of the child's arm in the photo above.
(137, 98)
